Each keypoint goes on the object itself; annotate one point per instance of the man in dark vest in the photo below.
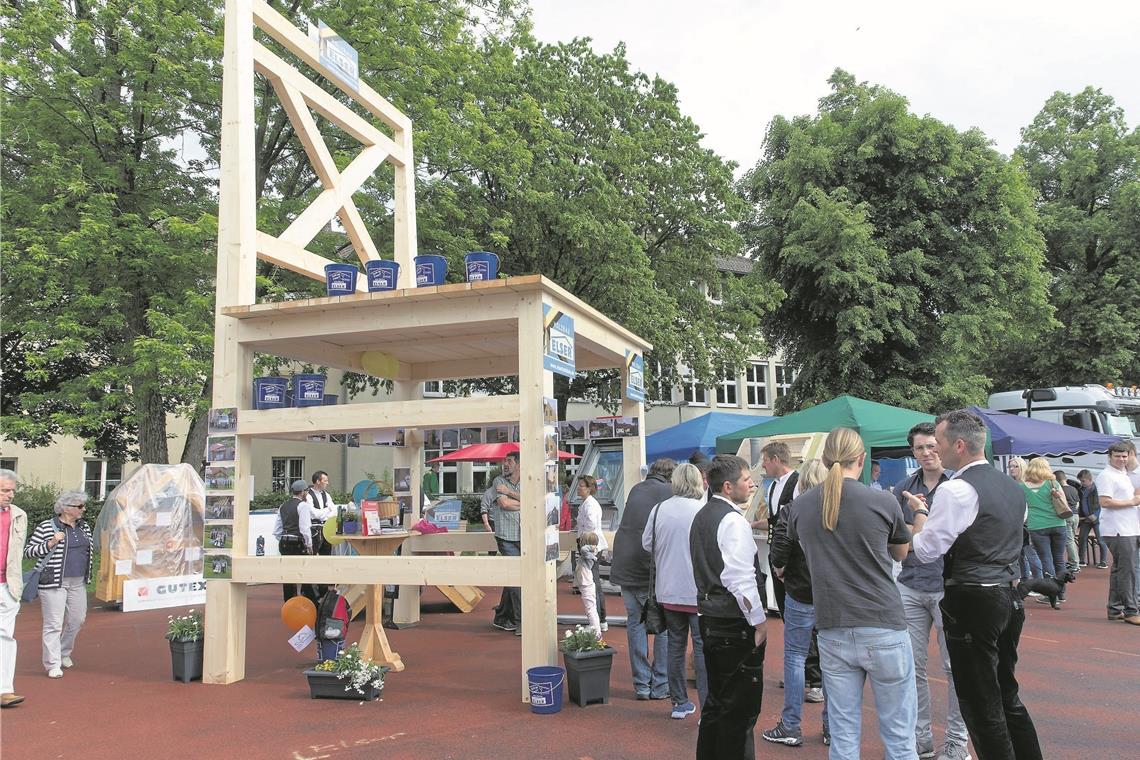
(975, 524)
(730, 602)
(293, 536)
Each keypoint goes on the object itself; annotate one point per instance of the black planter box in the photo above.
(324, 684)
(588, 675)
(186, 660)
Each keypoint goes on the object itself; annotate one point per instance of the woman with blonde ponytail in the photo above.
(849, 534)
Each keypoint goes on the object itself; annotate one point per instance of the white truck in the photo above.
(1112, 411)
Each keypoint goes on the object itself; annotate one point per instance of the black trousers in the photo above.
(288, 546)
(324, 549)
(983, 626)
(735, 668)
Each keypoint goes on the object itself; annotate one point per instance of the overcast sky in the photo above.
(738, 63)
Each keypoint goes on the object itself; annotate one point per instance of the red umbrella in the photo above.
(488, 452)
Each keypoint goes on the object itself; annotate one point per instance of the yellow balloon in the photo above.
(329, 531)
(380, 364)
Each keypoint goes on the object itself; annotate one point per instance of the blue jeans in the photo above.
(638, 640)
(1050, 546)
(681, 625)
(799, 619)
(849, 657)
(921, 611)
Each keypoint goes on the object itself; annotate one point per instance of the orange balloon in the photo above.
(299, 612)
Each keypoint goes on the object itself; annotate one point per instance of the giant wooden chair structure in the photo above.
(492, 328)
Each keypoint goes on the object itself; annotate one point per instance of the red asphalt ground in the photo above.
(459, 696)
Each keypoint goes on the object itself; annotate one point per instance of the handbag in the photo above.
(653, 616)
(32, 580)
(1060, 503)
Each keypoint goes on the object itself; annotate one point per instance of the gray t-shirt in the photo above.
(850, 568)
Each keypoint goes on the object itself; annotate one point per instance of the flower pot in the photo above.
(186, 660)
(324, 684)
(350, 527)
(588, 675)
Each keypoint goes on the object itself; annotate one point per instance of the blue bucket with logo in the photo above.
(382, 275)
(331, 399)
(545, 688)
(270, 392)
(340, 279)
(308, 390)
(431, 269)
(481, 266)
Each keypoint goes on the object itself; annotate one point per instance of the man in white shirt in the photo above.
(731, 608)
(1120, 529)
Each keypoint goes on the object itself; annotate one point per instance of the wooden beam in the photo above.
(463, 369)
(318, 213)
(297, 259)
(380, 415)
(402, 570)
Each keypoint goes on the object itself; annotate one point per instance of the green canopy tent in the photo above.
(882, 427)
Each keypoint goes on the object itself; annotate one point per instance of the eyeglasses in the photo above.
(76, 506)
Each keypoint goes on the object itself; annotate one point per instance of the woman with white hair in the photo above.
(66, 540)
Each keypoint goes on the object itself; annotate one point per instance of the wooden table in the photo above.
(374, 642)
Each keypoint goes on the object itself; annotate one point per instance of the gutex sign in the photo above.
(156, 593)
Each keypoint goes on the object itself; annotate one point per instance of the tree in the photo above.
(908, 251)
(108, 236)
(1084, 164)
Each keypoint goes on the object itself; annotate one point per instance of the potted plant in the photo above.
(588, 660)
(185, 633)
(351, 524)
(349, 676)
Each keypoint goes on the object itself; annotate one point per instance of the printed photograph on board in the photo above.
(601, 429)
(217, 566)
(220, 478)
(572, 430)
(219, 536)
(219, 507)
(221, 448)
(223, 420)
(402, 479)
(626, 427)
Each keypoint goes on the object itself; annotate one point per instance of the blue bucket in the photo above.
(481, 266)
(382, 275)
(308, 390)
(545, 688)
(270, 392)
(330, 399)
(431, 269)
(340, 279)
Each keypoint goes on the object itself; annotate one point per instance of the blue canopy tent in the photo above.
(681, 440)
(1014, 435)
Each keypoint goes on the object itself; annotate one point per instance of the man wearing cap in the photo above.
(292, 530)
(13, 533)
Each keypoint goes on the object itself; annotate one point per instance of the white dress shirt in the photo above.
(1116, 484)
(304, 523)
(737, 549)
(322, 509)
(775, 491)
(954, 509)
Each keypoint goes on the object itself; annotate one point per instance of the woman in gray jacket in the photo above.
(66, 540)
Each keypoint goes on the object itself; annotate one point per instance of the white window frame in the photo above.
(9, 463)
(728, 383)
(103, 485)
(433, 389)
(756, 385)
(294, 470)
(693, 393)
(782, 387)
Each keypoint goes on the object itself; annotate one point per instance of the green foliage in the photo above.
(470, 509)
(350, 665)
(274, 499)
(581, 639)
(907, 251)
(1084, 163)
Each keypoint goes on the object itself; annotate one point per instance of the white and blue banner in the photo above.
(635, 376)
(557, 341)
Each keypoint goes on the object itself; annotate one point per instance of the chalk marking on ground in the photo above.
(325, 750)
(1035, 638)
(1113, 651)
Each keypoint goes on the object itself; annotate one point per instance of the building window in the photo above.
(100, 476)
(656, 388)
(433, 388)
(756, 384)
(8, 463)
(284, 470)
(694, 392)
(785, 376)
(726, 389)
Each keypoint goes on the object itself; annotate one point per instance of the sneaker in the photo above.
(826, 738)
(1116, 616)
(814, 695)
(504, 626)
(953, 751)
(55, 673)
(642, 696)
(780, 683)
(680, 711)
(925, 751)
(781, 735)
(605, 627)
(67, 663)
(1133, 619)
(1102, 565)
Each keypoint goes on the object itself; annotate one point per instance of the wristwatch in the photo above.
(921, 511)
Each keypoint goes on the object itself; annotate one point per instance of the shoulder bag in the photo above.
(653, 616)
(32, 580)
(1060, 503)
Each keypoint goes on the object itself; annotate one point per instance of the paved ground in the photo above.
(458, 697)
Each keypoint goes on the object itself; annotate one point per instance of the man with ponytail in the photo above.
(975, 524)
(849, 533)
(730, 605)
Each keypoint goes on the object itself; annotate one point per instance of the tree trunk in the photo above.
(152, 424)
(193, 453)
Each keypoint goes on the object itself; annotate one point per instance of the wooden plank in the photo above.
(224, 644)
(380, 415)
(281, 29)
(461, 369)
(298, 259)
(466, 598)
(401, 571)
(318, 213)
